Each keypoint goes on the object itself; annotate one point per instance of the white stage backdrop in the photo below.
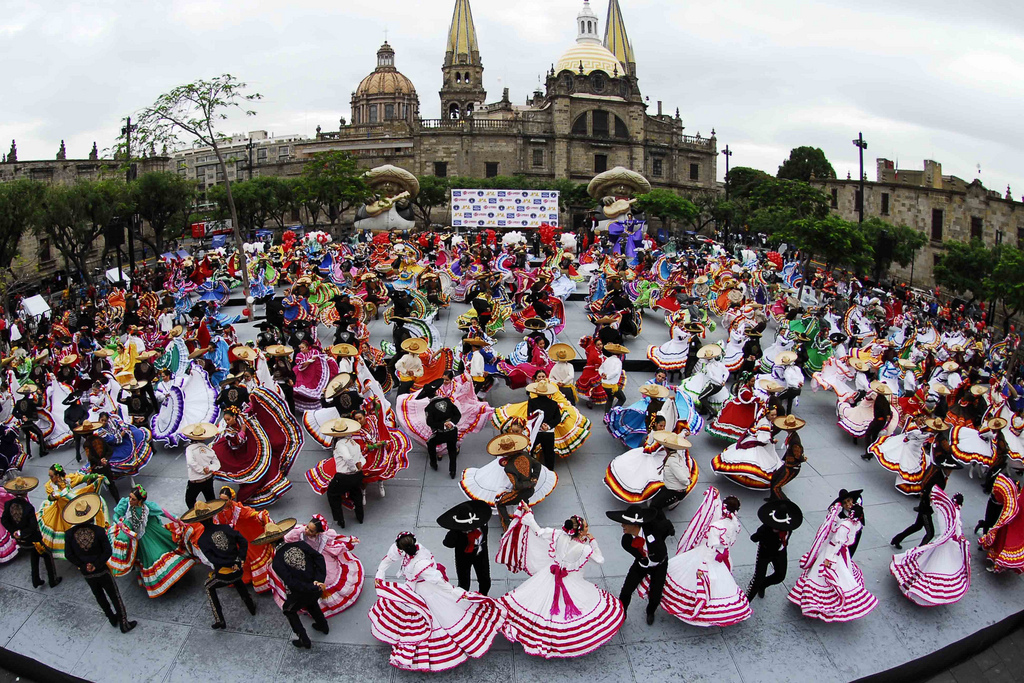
(504, 208)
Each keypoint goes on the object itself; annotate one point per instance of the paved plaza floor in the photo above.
(63, 627)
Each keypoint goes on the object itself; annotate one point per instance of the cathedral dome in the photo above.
(593, 57)
(588, 52)
(385, 79)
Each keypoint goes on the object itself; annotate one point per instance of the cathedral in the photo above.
(590, 116)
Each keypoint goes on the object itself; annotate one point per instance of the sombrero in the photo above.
(344, 350)
(276, 350)
(149, 354)
(415, 345)
(655, 391)
(786, 358)
(87, 427)
(21, 484)
(616, 348)
(198, 352)
(881, 388)
(244, 353)
(940, 389)
(274, 531)
(543, 388)
(82, 509)
(950, 366)
(535, 324)
(507, 444)
(562, 352)
(466, 516)
(336, 384)
(341, 426)
(781, 515)
(708, 351)
(790, 423)
(604, 320)
(199, 431)
(936, 424)
(995, 424)
(670, 440)
(906, 363)
(479, 343)
(859, 364)
(770, 385)
(69, 359)
(103, 353)
(176, 331)
(203, 510)
(979, 389)
(636, 515)
(135, 385)
(27, 388)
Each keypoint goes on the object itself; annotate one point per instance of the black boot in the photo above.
(128, 626)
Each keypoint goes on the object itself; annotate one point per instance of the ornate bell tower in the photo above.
(462, 90)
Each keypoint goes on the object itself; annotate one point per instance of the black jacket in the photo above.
(552, 411)
(769, 540)
(233, 396)
(20, 516)
(86, 544)
(222, 545)
(441, 410)
(299, 566)
(654, 534)
(459, 541)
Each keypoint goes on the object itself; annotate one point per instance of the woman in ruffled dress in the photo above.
(588, 385)
(491, 482)
(939, 572)
(313, 370)
(344, 581)
(570, 433)
(831, 587)
(751, 461)
(537, 358)
(147, 537)
(638, 474)
(700, 589)
(430, 624)
(671, 356)
(905, 454)
(60, 490)
(410, 409)
(8, 547)
(738, 413)
(130, 445)
(187, 398)
(556, 612)
(631, 424)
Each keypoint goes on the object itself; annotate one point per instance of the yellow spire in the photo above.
(462, 34)
(615, 38)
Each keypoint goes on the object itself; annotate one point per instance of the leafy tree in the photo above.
(1006, 282)
(831, 239)
(891, 243)
(433, 194)
(666, 205)
(160, 198)
(712, 208)
(333, 184)
(743, 181)
(805, 162)
(75, 216)
(965, 269)
(571, 195)
(281, 197)
(20, 202)
(194, 110)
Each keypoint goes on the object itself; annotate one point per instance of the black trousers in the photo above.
(788, 396)
(709, 391)
(296, 602)
(546, 441)
(992, 512)
(342, 485)
(405, 387)
(465, 563)
(105, 471)
(218, 581)
(691, 363)
(289, 394)
(762, 579)
(30, 429)
(104, 588)
(483, 386)
(450, 439)
(636, 575)
(923, 521)
(874, 429)
(51, 568)
(194, 488)
(569, 394)
(614, 398)
(511, 499)
(665, 497)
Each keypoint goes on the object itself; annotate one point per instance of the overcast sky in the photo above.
(938, 79)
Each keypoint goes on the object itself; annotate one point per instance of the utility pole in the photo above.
(861, 145)
(130, 174)
(728, 226)
(248, 149)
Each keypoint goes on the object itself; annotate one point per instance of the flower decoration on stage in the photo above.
(567, 241)
(288, 240)
(512, 238)
(776, 258)
(547, 233)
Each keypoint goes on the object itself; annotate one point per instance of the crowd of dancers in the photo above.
(924, 388)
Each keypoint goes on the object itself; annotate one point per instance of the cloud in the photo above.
(920, 79)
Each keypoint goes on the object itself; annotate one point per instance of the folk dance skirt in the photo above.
(636, 476)
(938, 573)
(905, 456)
(834, 593)
(701, 591)
(489, 482)
(749, 467)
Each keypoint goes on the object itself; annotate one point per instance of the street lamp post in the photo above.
(129, 175)
(861, 145)
(727, 153)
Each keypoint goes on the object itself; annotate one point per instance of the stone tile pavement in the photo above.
(64, 629)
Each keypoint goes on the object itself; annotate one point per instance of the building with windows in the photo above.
(245, 156)
(943, 207)
(589, 116)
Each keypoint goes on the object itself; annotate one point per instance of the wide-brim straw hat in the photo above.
(859, 364)
(199, 352)
(562, 352)
(415, 345)
(149, 354)
(82, 509)
(69, 359)
(950, 366)
(535, 324)
(789, 423)
(670, 440)
(786, 358)
(604, 320)
(341, 426)
(995, 424)
(770, 385)
(199, 431)
(177, 331)
(709, 351)
(203, 510)
(337, 384)
(244, 353)
(940, 389)
(655, 390)
(87, 427)
(478, 343)
(507, 444)
(979, 389)
(21, 484)
(344, 351)
(275, 531)
(616, 348)
(103, 353)
(881, 388)
(543, 388)
(27, 388)
(135, 385)
(906, 363)
(276, 350)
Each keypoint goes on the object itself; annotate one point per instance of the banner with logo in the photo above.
(504, 208)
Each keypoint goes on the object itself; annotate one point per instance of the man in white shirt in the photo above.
(165, 321)
(202, 463)
(348, 465)
(676, 475)
(409, 367)
(562, 373)
(482, 381)
(611, 374)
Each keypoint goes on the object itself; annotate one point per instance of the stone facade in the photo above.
(945, 208)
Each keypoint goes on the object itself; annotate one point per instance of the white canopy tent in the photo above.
(35, 307)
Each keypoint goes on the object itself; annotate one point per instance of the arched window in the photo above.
(469, 109)
(453, 111)
(458, 77)
(579, 126)
(621, 131)
(465, 79)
